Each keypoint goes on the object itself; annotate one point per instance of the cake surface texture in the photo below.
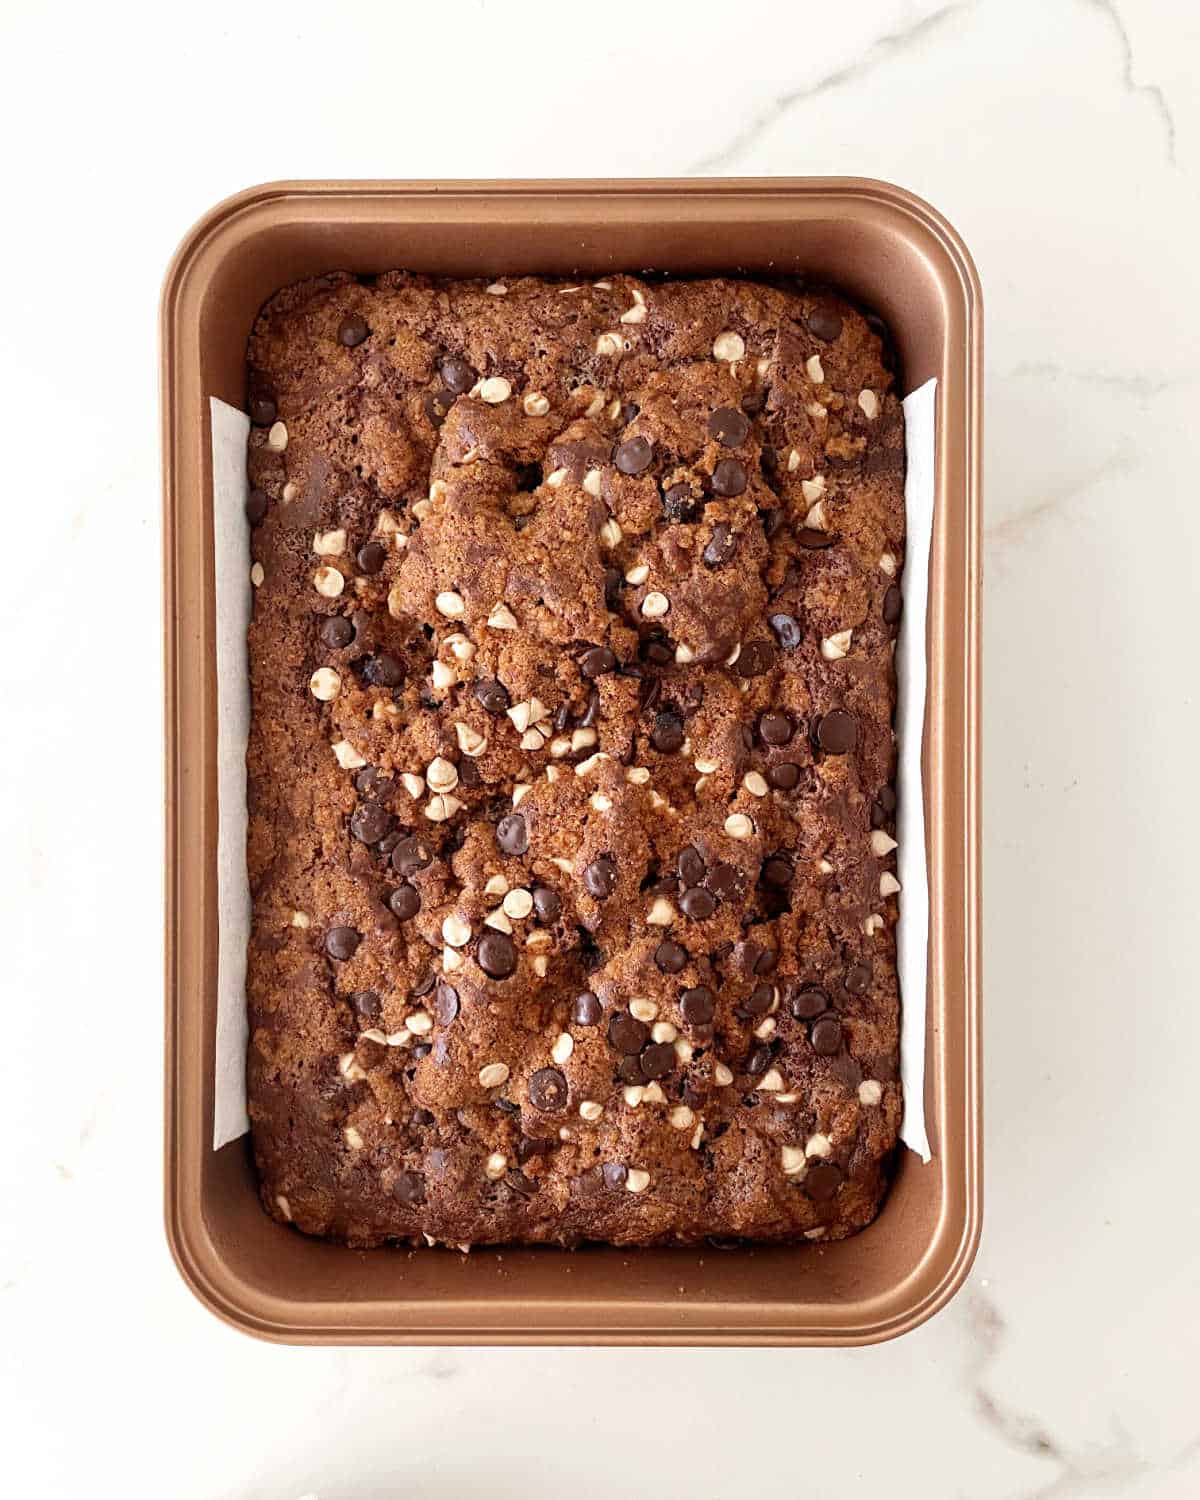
(571, 838)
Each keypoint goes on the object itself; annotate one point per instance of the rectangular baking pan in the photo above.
(900, 257)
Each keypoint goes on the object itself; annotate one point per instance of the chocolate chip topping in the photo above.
(600, 877)
(409, 1188)
(721, 546)
(497, 955)
(262, 409)
(787, 631)
(667, 734)
(366, 1007)
(729, 478)
(385, 670)
(858, 978)
(547, 903)
(445, 1004)
(826, 1035)
(670, 957)
(614, 1174)
(814, 541)
(679, 503)
(492, 695)
(657, 1060)
(822, 1181)
(777, 871)
(808, 1003)
(755, 658)
(726, 881)
(783, 777)
(758, 1060)
(698, 1005)
(775, 727)
(512, 834)
(586, 1009)
(690, 865)
(352, 330)
(410, 855)
(457, 375)
(825, 324)
(760, 999)
(256, 507)
(697, 904)
(342, 942)
(548, 1091)
(893, 604)
(597, 661)
(337, 632)
(369, 822)
(634, 455)
(437, 406)
(728, 426)
(837, 732)
(626, 1033)
(371, 558)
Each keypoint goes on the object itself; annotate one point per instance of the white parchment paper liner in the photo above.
(231, 547)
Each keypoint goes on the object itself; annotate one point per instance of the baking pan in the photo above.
(900, 257)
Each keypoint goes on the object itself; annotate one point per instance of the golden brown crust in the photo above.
(647, 515)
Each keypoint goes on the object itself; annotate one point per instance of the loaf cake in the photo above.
(571, 816)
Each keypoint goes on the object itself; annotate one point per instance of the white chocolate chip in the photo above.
(598, 802)
(771, 1082)
(414, 785)
(591, 482)
(540, 965)
(637, 775)
(498, 289)
(739, 826)
(814, 369)
(755, 784)
(765, 1029)
(301, 919)
(325, 684)
(684, 1051)
(534, 404)
(818, 1145)
(564, 1045)
(881, 842)
(632, 1094)
(496, 1166)
(816, 520)
(609, 343)
(653, 1094)
(873, 924)
(277, 438)
(291, 491)
(284, 1207)
(705, 766)
(347, 756)
(420, 1023)
(634, 314)
(603, 286)
(684, 654)
(786, 1098)
(441, 775)
(470, 741)
(729, 346)
(329, 543)
(792, 1160)
(870, 1091)
(502, 618)
(643, 1010)
(461, 649)
(681, 1117)
(590, 1110)
(451, 604)
(492, 1075)
(824, 867)
(835, 647)
(451, 960)
(442, 676)
(395, 601)
(638, 574)
(564, 865)
(887, 564)
(610, 533)
(655, 605)
(661, 913)
(258, 575)
(869, 402)
(532, 739)
(350, 1068)
(582, 739)
(722, 1075)
(888, 884)
(637, 1181)
(793, 460)
(520, 789)
(590, 764)
(555, 478)
(518, 903)
(498, 922)
(328, 582)
(456, 930)
(521, 715)
(441, 808)
(663, 1031)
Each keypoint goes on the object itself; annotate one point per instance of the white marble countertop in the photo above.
(1061, 137)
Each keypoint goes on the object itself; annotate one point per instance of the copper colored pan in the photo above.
(904, 260)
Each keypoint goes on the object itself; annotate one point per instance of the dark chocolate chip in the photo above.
(600, 877)
(497, 955)
(612, 589)
(369, 822)
(256, 507)
(697, 904)
(548, 1091)
(626, 1033)
(729, 426)
(752, 403)
(458, 375)
(726, 882)
(814, 541)
(468, 772)
(385, 670)
(826, 1035)
(586, 1009)
(656, 651)
(772, 522)
(887, 799)
(670, 957)
(822, 1181)
(775, 727)
(409, 1187)
(342, 942)
(437, 405)
(777, 871)
(679, 504)
(690, 865)
(423, 986)
(758, 1002)
(634, 455)
(658, 1059)
(492, 695)
(824, 323)
(529, 1146)
(766, 961)
(721, 546)
(837, 732)
(337, 632)
(596, 661)
(667, 735)
(698, 1005)
(758, 1060)
(410, 855)
(352, 330)
(445, 1004)
(366, 1006)
(592, 710)
(787, 631)
(547, 903)
(629, 1069)
(371, 558)
(729, 478)
(562, 716)
(523, 1186)
(893, 604)
(512, 834)
(808, 1003)
(858, 978)
(263, 410)
(783, 777)
(614, 1174)
(755, 658)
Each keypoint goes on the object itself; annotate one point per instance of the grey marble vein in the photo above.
(1151, 90)
(1142, 386)
(884, 50)
(1013, 528)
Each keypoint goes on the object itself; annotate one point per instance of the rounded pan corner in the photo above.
(212, 222)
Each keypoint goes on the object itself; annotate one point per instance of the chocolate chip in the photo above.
(634, 455)
(667, 735)
(669, 957)
(262, 409)
(512, 834)
(626, 1033)
(697, 904)
(389, 841)
(893, 604)
(342, 942)
(410, 855)
(612, 589)
(656, 651)
(562, 716)
(775, 727)
(690, 865)
(728, 426)
(777, 871)
(824, 323)
(458, 375)
(600, 877)
(614, 1174)
(814, 541)
(726, 882)
(523, 1186)
(858, 978)
(679, 504)
(808, 1003)
(758, 1060)
(384, 670)
(592, 711)
(596, 661)
(766, 961)
(445, 1004)
(369, 822)
(887, 799)
(783, 777)
(586, 1009)
(658, 1059)
(760, 999)
(337, 632)
(468, 772)
(546, 903)
(755, 658)
(366, 1006)
(548, 1091)
(729, 478)
(772, 522)
(752, 403)
(822, 1181)
(371, 782)
(437, 404)
(530, 1146)
(497, 955)
(883, 808)
(352, 330)
(629, 1069)
(698, 1005)
(492, 695)
(371, 558)
(423, 986)
(837, 732)
(409, 1187)
(826, 1035)
(787, 631)
(722, 545)
(256, 507)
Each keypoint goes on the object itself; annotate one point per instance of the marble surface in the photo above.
(1061, 137)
